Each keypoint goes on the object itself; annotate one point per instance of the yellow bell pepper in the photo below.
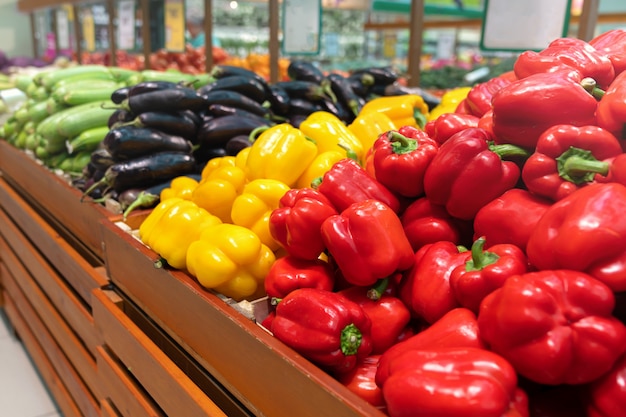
(449, 102)
(369, 126)
(215, 163)
(242, 157)
(404, 110)
(253, 207)
(182, 187)
(231, 260)
(171, 227)
(320, 165)
(281, 153)
(331, 134)
(218, 191)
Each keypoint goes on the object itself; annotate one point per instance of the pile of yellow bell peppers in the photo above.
(217, 229)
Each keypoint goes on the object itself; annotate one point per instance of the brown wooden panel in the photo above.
(72, 380)
(129, 397)
(54, 194)
(42, 362)
(67, 303)
(107, 409)
(174, 392)
(80, 274)
(235, 350)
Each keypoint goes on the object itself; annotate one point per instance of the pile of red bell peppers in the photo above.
(476, 267)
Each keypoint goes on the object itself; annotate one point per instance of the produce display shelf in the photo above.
(267, 376)
(54, 195)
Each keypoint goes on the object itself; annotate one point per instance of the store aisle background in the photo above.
(22, 391)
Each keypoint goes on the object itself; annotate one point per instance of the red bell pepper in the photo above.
(564, 54)
(296, 223)
(443, 127)
(388, 314)
(567, 158)
(399, 160)
(425, 222)
(617, 170)
(426, 287)
(554, 326)
(485, 271)
(523, 110)
(510, 218)
(469, 172)
(453, 382)
(612, 43)
(457, 328)
(486, 122)
(361, 381)
(324, 327)
(367, 242)
(289, 273)
(479, 97)
(463, 107)
(611, 113)
(585, 231)
(608, 393)
(346, 183)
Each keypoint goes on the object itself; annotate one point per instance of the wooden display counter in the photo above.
(114, 336)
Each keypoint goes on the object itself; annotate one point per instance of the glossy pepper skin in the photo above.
(369, 126)
(480, 96)
(485, 271)
(554, 326)
(347, 183)
(367, 242)
(217, 192)
(523, 110)
(510, 218)
(296, 223)
(331, 134)
(564, 54)
(231, 260)
(445, 126)
(453, 382)
(469, 172)
(425, 222)
(458, 328)
(584, 232)
(403, 110)
(172, 226)
(324, 327)
(361, 381)
(182, 187)
(281, 153)
(388, 314)
(400, 158)
(290, 273)
(254, 206)
(322, 163)
(426, 286)
(612, 43)
(611, 112)
(567, 158)
(608, 393)
(215, 163)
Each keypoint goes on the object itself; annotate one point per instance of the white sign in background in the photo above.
(126, 24)
(301, 26)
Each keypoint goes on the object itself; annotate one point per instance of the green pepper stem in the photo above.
(315, 184)
(480, 258)
(144, 199)
(350, 341)
(349, 152)
(507, 150)
(256, 133)
(400, 144)
(420, 118)
(376, 292)
(592, 88)
(579, 166)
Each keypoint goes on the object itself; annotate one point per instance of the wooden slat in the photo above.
(72, 380)
(107, 409)
(67, 340)
(42, 362)
(129, 397)
(237, 352)
(175, 393)
(78, 272)
(65, 301)
(55, 195)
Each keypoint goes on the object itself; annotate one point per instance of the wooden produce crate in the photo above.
(139, 379)
(54, 196)
(24, 229)
(267, 376)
